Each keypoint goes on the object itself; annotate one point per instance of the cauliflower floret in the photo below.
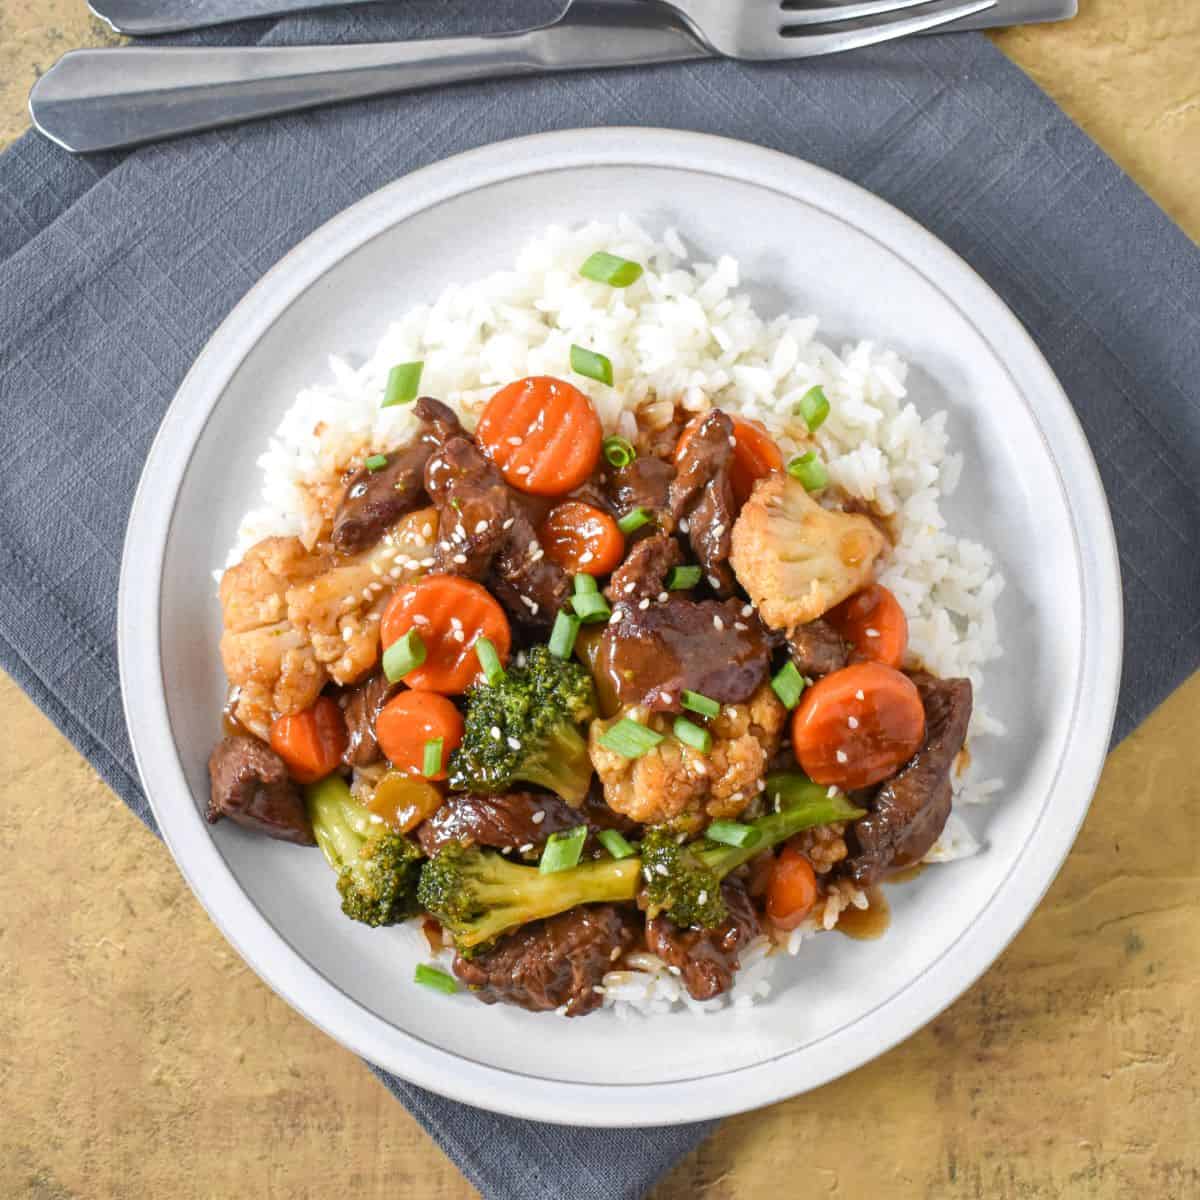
(270, 664)
(795, 559)
(338, 611)
(295, 619)
(674, 782)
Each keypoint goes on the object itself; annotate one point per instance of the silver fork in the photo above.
(105, 99)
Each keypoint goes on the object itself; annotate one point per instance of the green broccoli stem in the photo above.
(562, 764)
(340, 824)
(802, 805)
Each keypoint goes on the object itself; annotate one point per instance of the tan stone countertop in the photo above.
(140, 1058)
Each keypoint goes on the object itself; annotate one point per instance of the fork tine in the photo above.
(805, 44)
(799, 14)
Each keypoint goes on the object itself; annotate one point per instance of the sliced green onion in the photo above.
(788, 685)
(590, 607)
(814, 408)
(615, 844)
(618, 451)
(629, 738)
(431, 977)
(489, 660)
(634, 519)
(697, 702)
(585, 583)
(405, 654)
(609, 268)
(376, 462)
(562, 636)
(692, 735)
(732, 833)
(562, 850)
(809, 469)
(432, 763)
(679, 578)
(402, 383)
(593, 365)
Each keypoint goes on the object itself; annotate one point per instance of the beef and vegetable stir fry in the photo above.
(572, 698)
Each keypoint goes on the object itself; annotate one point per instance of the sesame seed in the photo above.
(495, 732)
(509, 523)
(366, 593)
(718, 529)
(872, 633)
(522, 470)
(420, 619)
(831, 792)
(859, 695)
(663, 597)
(427, 530)
(718, 624)
(396, 572)
(732, 440)
(684, 525)
(666, 697)
(713, 581)
(480, 526)
(537, 555)
(455, 623)
(376, 569)
(426, 562)
(660, 869)
(538, 818)
(852, 722)
(747, 610)
(514, 441)
(525, 849)
(616, 953)
(460, 559)
(630, 586)
(702, 898)
(513, 743)
(736, 797)
(586, 556)
(443, 546)
(347, 633)
(458, 635)
(740, 626)
(842, 756)
(644, 603)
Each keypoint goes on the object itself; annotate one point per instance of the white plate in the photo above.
(807, 241)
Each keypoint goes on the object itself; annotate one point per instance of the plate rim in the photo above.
(139, 608)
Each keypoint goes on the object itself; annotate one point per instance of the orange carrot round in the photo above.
(792, 889)
(858, 726)
(311, 743)
(542, 433)
(874, 624)
(581, 538)
(409, 722)
(448, 613)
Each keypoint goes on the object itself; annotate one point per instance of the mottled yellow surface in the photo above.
(140, 1058)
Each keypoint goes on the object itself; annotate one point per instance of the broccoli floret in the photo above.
(377, 867)
(685, 880)
(525, 727)
(479, 894)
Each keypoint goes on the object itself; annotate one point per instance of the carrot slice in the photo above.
(411, 720)
(311, 743)
(542, 433)
(755, 454)
(581, 538)
(449, 613)
(792, 889)
(874, 624)
(858, 726)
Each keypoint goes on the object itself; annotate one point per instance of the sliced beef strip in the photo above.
(816, 648)
(650, 655)
(702, 496)
(910, 810)
(361, 706)
(374, 500)
(644, 483)
(511, 821)
(484, 526)
(250, 785)
(643, 574)
(551, 963)
(707, 958)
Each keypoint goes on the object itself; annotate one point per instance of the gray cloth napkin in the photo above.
(115, 270)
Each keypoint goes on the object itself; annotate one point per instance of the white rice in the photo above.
(683, 331)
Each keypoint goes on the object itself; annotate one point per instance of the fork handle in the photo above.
(105, 99)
